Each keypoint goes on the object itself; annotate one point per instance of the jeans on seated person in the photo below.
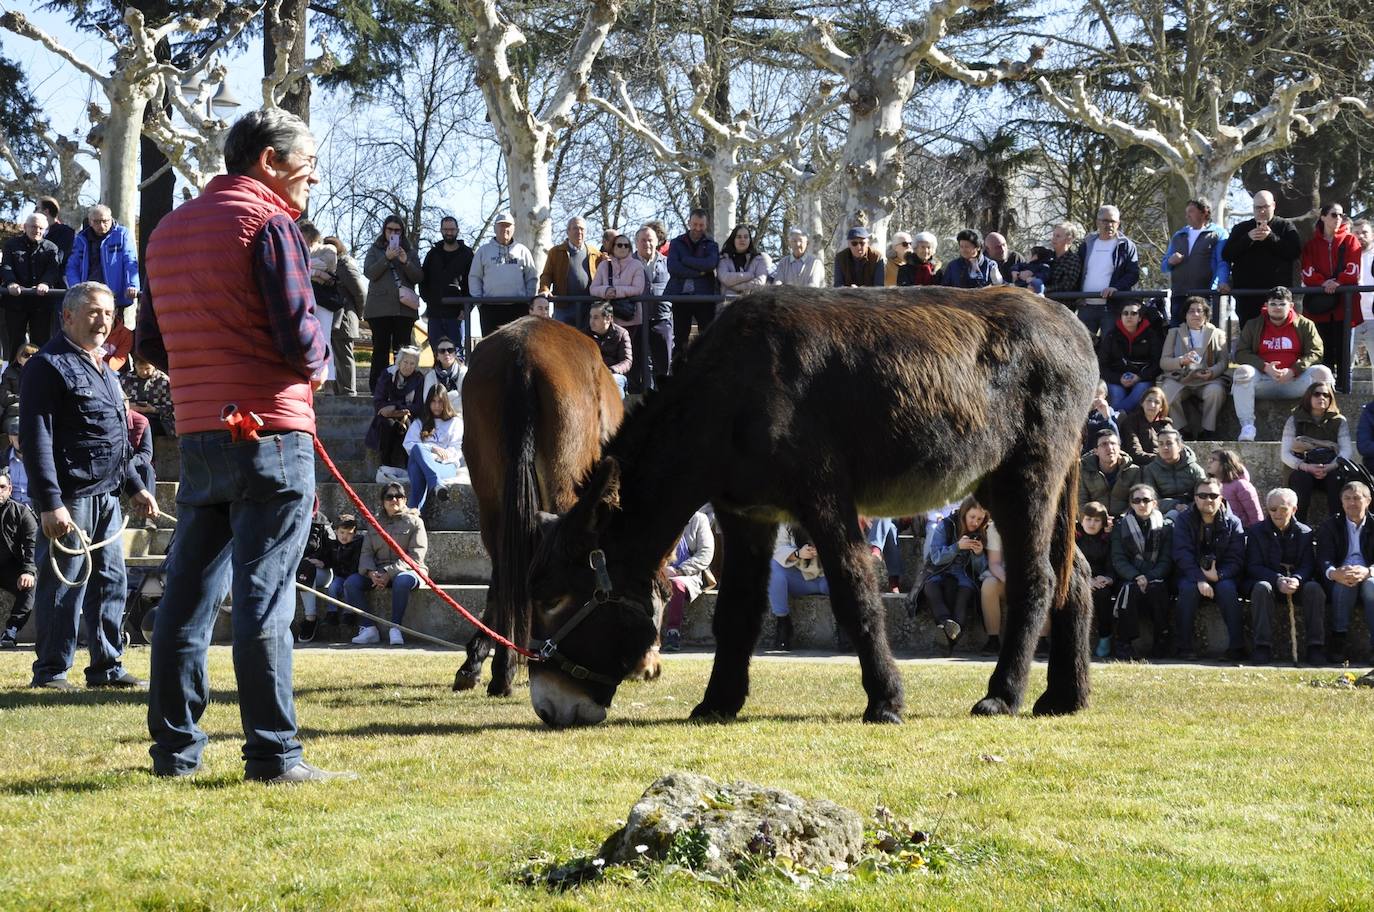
(1124, 399)
(426, 472)
(1343, 600)
(99, 603)
(400, 586)
(786, 583)
(243, 517)
(1309, 600)
(1227, 599)
(323, 582)
(1248, 384)
(621, 381)
(882, 534)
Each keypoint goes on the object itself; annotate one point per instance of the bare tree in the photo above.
(56, 173)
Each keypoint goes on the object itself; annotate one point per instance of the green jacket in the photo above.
(1092, 483)
(1247, 350)
(1173, 483)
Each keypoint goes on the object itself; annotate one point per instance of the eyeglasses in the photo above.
(394, 495)
(903, 243)
(446, 349)
(858, 243)
(1142, 500)
(1207, 495)
(1321, 395)
(622, 246)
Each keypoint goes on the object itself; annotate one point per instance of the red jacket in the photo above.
(213, 319)
(1339, 259)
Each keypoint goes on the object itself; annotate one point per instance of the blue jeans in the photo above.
(568, 313)
(308, 600)
(1343, 600)
(788, 582)
(882, 534)
(1094, 316)
(1227, 599)
(243, 509)
(99, 603)
(621, 381)
(450, 328)
(425, 474)
(401, 585)
(1123, 399)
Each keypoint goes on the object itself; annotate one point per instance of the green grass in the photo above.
(1181, 788)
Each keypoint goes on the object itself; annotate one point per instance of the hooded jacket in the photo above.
(1093, 485)
(1173, 482)
(1336, 258)
(1121, 351)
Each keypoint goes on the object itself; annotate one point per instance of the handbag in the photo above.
(1319, 304)
(624, 309)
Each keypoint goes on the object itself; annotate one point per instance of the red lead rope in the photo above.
(410, 561)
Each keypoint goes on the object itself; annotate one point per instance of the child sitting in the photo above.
(1035, 271)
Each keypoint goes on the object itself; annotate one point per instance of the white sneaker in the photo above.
(368, 636)
(396, 638)
(1247, 432)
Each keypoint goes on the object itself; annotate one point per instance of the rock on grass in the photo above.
(692, 820)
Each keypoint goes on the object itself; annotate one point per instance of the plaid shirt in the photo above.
(154, 391)
(281, 268)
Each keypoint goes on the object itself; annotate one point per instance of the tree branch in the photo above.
(21, 26)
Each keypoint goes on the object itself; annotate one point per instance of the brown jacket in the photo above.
(409, 533)
(556, 268)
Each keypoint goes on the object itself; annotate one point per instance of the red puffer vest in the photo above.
(213, 319)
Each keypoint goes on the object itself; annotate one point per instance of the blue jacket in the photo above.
(947, 560)
(118, 257)
(1229, 545)
(72, 427)
(959, 273)
(1125, 262)
(1221, 270)
(1364, 437)
(695, 263)
(1264, 552)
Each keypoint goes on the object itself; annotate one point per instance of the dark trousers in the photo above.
(1249, 306)
(29, 320)
(494, 316)
(1335, 342)
(1155, 600)
(23, 598)
(1304, 484)
(388, 335)
(945, 595)
(1309, 599)
(683, 314)
(1104, 604)
(1227, 599)
(657, 359)
(450, 328)
(243, 518)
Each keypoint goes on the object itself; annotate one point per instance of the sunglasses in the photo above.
(446, 349)
(1142, 500)
(858, 243)
(622, 246)
(903, 243)
(394, 495)
(1207, 495)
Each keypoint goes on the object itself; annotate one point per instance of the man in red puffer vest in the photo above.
(231, 317)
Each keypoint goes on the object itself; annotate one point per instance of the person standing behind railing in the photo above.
(1111, 263)
(692, 260)
(446, 269)
(660, 313)
(1261, 252)
(393, 305)
(1330, 259)
(1193, 259)
(1363, 334)
(29, 261)
(502, 268)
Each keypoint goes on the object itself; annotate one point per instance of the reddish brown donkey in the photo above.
(538, 405)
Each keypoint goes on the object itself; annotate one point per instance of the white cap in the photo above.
(796, 231)
(504, 218)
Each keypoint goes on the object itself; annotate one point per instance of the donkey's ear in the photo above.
(543, 525)
(601, 497)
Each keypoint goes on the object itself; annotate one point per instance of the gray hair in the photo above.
(649, 228)
(577, 220)
(258, 130)
(1359, 486)
(1287, 495)
(99, 209)
(1116, 213)
(77, 296)
(1072, 229)
(408, 351)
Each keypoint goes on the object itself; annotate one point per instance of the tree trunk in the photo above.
(872, 177)
(155, 199)
(119, 149)
(297, 101)
(527, 170)
(724, 177)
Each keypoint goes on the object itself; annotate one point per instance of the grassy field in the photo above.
(1182, 788)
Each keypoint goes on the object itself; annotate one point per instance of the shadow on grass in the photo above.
(110, 781)
(23, 698)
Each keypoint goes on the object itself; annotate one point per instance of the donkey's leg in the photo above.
(478, 647)
(1070, 641)
(740, 607)
(1025, 517)
(854, 599)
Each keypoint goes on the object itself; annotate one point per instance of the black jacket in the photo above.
(1097, 550)
(1117, 354)
(72, 427)
(28, 264)
(442, 268)
(343, 559)
(1265, 263)
(319, 544)
(18, 536)
(9, 397)
(1267, 551)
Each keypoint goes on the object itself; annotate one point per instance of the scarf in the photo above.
(1156, 520)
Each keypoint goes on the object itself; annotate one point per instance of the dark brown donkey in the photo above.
(817, 406)
(538, 405)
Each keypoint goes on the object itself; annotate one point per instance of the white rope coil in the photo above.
(84, 552)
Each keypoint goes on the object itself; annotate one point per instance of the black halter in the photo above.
(601, 595)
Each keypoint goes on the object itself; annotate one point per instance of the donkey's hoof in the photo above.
(883, 714)
(704, 712)
(992, 706)
(464, 681)
(495, 689)
(1053, 703)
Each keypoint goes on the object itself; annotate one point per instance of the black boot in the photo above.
(1336, 652)
(782, 634)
